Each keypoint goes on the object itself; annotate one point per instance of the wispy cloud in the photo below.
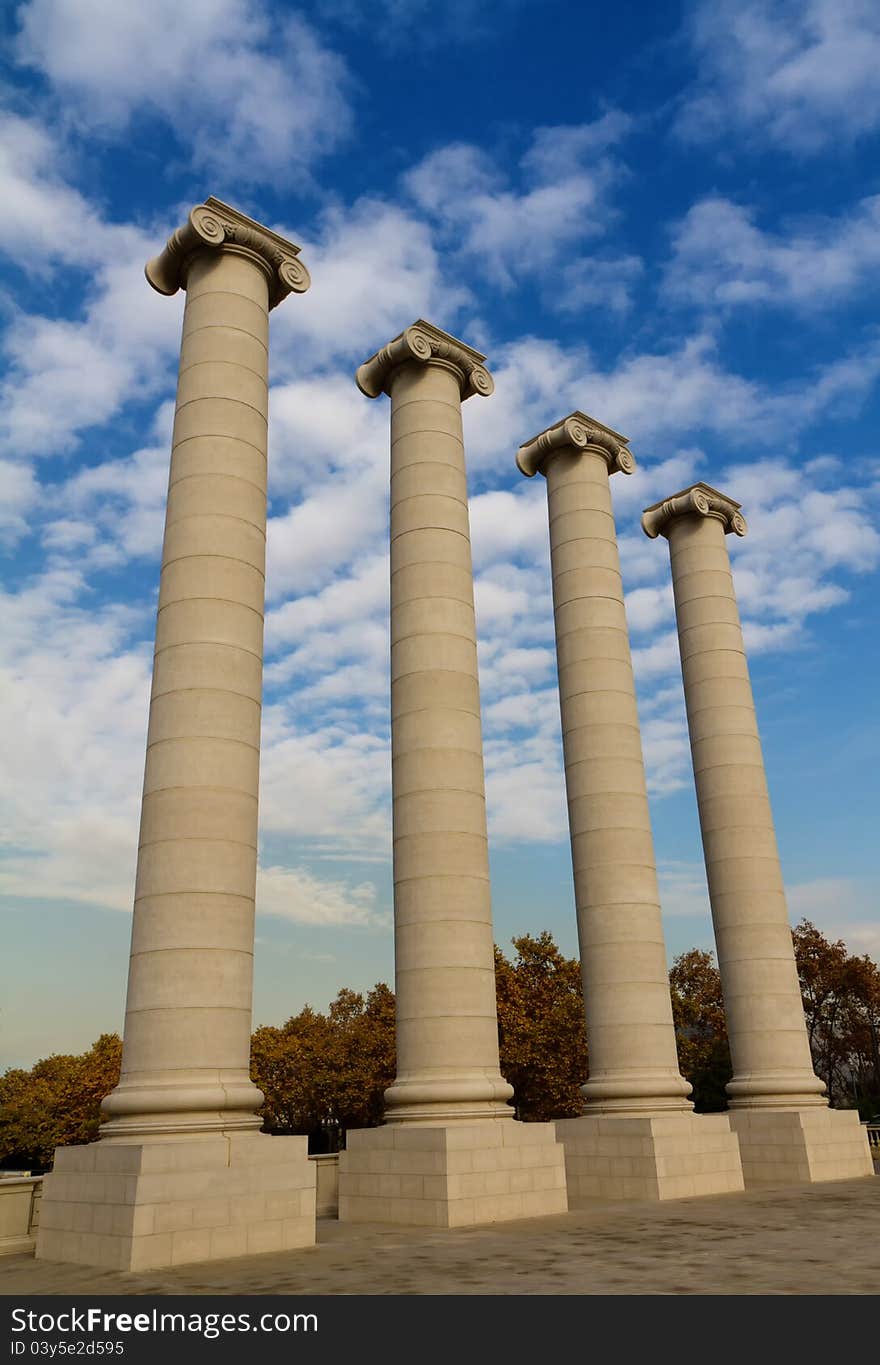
(798, 74)
(721, 259)
(242, 89)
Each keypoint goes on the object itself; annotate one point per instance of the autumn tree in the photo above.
(57, 1103)
(541, 1028)
(841, 995)
(328, 1072)
(700, 1028)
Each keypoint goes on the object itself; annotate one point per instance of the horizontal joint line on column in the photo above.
(205, 787)
(218, 436)
(194, 739)
(239, 478)
(598, 692)
(583, 540)
(434, 668)
(605, 725)
(226, 516)
(434, 597)
(437, 791)
(738, 763)
(226, 327)
(197, 839)
(429, 431)
(444, 1014)
(602, 725)
(234, 559)
(192, 891)
(196, 947)
(425, 710)
(229, 601)
(414, 530)
(449, 919)
(422, 464)
(581, 867)
(215, 644)
(236, 365)
(751, 858)
(230, 293)
(585, 597)
(408, 402)
(722, 706)
(223, 691)
(441, 834)
(430, 493)
(696, 573)
(220, 398)
(432, 635)
(161, 1009)
(608, 829)
(703, 625)
(442, 876)
(716, 649)
(440, 749)
(616, 942)
(591, 659)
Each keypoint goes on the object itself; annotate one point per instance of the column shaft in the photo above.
(633, 1060)
(447, 1035)
(186, 1049)
(769, 1047)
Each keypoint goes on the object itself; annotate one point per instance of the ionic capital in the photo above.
(699, 500)
(425, 344)
(214, 226)
(577, 432)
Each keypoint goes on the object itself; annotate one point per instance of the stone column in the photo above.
(777, 1103)
(633, 1061)
(448, 1074)
(185, 1096)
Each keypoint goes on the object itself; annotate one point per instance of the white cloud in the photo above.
(251, 94)
(18, 496)
(801, 74)
(513, 233)
(298, 896)
(44, 219)
(721, 259)
(683, 888)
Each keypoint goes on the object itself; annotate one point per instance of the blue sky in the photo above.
(667, 216)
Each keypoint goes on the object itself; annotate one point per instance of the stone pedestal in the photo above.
(186, 1046)
(776, 1100)
(630, 1030)
(453, 1176)
(666, 1156)
(142, 1205)
(449, 1096)
(792, 1146)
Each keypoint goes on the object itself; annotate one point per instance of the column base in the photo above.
(453, 1176)
(142, 1205)
(800, 1146)
(669, 1156)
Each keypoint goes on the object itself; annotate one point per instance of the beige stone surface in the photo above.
(813, 1239)
(447, 1033)
(453, 1176)
(186, 1045)
(633, 1059)
(135, 1206)
(762, 1001)
(785, 1146)
(770, 1052)
(669, 1156)
(19, 1199)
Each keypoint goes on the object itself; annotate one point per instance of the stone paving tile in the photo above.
(821, 1240)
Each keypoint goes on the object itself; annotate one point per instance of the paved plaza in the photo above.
(820, 1239)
